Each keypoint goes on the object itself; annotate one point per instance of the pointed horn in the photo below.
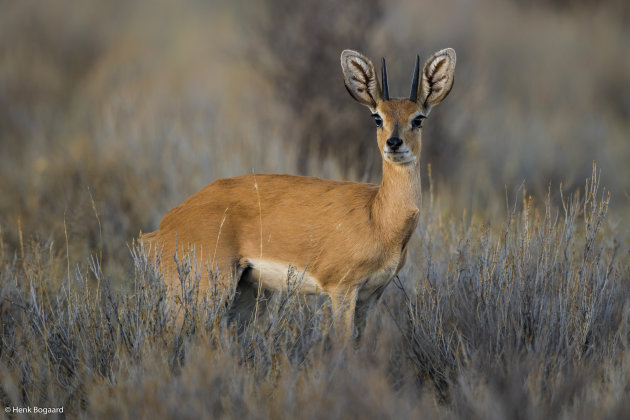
(413, 97)
(385, 84)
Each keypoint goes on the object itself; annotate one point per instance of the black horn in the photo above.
(384, 77)
(413, 97)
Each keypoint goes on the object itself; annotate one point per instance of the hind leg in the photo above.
(249, 299)
(363, 306)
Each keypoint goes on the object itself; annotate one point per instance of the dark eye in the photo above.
(378, 120)
(417, 122)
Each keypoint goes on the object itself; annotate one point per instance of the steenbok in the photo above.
(347, 239)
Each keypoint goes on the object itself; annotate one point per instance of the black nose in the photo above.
(394, 142)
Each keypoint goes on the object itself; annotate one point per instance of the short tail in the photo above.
(147, 239)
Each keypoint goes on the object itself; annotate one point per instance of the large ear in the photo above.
(437, 78)
(360, 78)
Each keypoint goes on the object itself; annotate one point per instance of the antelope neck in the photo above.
(398, 198)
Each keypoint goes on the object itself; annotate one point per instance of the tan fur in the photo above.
(347, 238)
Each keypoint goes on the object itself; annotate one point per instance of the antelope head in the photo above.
(399, 120)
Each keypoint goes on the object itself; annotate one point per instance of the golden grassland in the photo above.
(515, 300)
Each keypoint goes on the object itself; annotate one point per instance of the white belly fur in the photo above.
(273, 275)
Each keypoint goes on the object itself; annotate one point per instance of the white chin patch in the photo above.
(403, 158)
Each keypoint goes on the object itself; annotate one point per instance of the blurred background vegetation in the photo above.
(113, 112)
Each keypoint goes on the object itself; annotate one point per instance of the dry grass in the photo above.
(527, 318)
(509, 307)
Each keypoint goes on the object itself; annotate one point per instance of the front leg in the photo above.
(344, 299)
